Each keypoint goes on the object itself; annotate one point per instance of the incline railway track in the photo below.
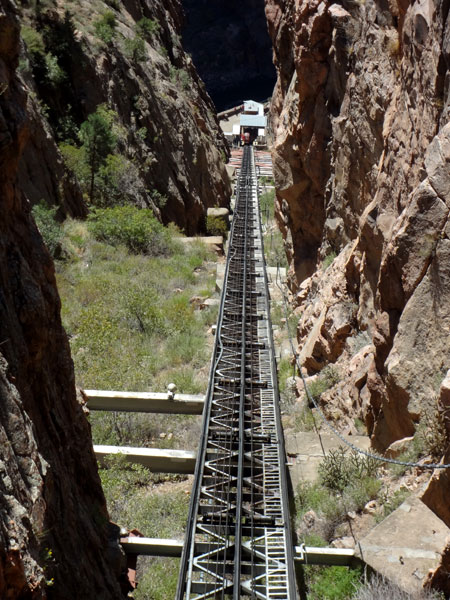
(238, 540)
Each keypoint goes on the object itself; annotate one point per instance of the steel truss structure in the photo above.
(238, 540)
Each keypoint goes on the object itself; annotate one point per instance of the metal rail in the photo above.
(238, 540)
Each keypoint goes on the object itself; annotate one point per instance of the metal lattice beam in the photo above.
(238, 541)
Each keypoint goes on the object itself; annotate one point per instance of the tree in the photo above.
(105, 27)
(147, 28)
(99, 140)
(135, 49)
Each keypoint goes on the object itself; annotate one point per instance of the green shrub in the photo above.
(329, 507)
(329, 377)
(135, 49)
(411, 454)
(360, 426)
(314, 540)
(160, 515)
(361, 491)
(159, 582)
(265, 180)
(136, 228)
(304, 420)
(160, 200)
(216, 226)
(55, 74)
(34, 42)
(340, 469)
(141, 309)
(394, 502)
(179, 77)
(66, 129)
(75, 159)
(332, 583)
(147, 28)
(266, 203)
(432, 433)
(157, 515)
(141, 133)
(105, 27)
(318, 387)
(185, 80)
(274, 249)
(329, 258)
(118, 181)
(186, 379)
(312, 496)
(118, 476)
(49, 228)
(345, 483)
(285, 370)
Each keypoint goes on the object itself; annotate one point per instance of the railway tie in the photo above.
(238, 540)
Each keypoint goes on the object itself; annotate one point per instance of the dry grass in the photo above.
(379, 588)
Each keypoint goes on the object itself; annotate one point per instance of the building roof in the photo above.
(252, 106)
(253, 121)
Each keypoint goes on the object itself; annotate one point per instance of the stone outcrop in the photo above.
(42, 172)
(54, 532)
(231, 49)
(361, 161)
(436, 494)
(168, 128)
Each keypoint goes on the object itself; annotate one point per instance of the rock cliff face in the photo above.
(361, 158)
(168, 129)
(53, 519)
(231, 49)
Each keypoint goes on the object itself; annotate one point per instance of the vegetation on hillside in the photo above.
(131, 292)
(106, 176)
(109, 146)
(273, 241)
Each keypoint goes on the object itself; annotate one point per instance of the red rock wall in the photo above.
(361, 160)
(54, 532)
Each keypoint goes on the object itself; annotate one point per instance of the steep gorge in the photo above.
(54, 533)
(361, 158)
(55, 537)
(81, 56)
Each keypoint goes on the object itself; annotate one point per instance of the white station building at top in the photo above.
(245, 125)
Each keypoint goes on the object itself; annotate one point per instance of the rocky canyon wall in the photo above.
(168, 131)
(362, 169)
(55, 539)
